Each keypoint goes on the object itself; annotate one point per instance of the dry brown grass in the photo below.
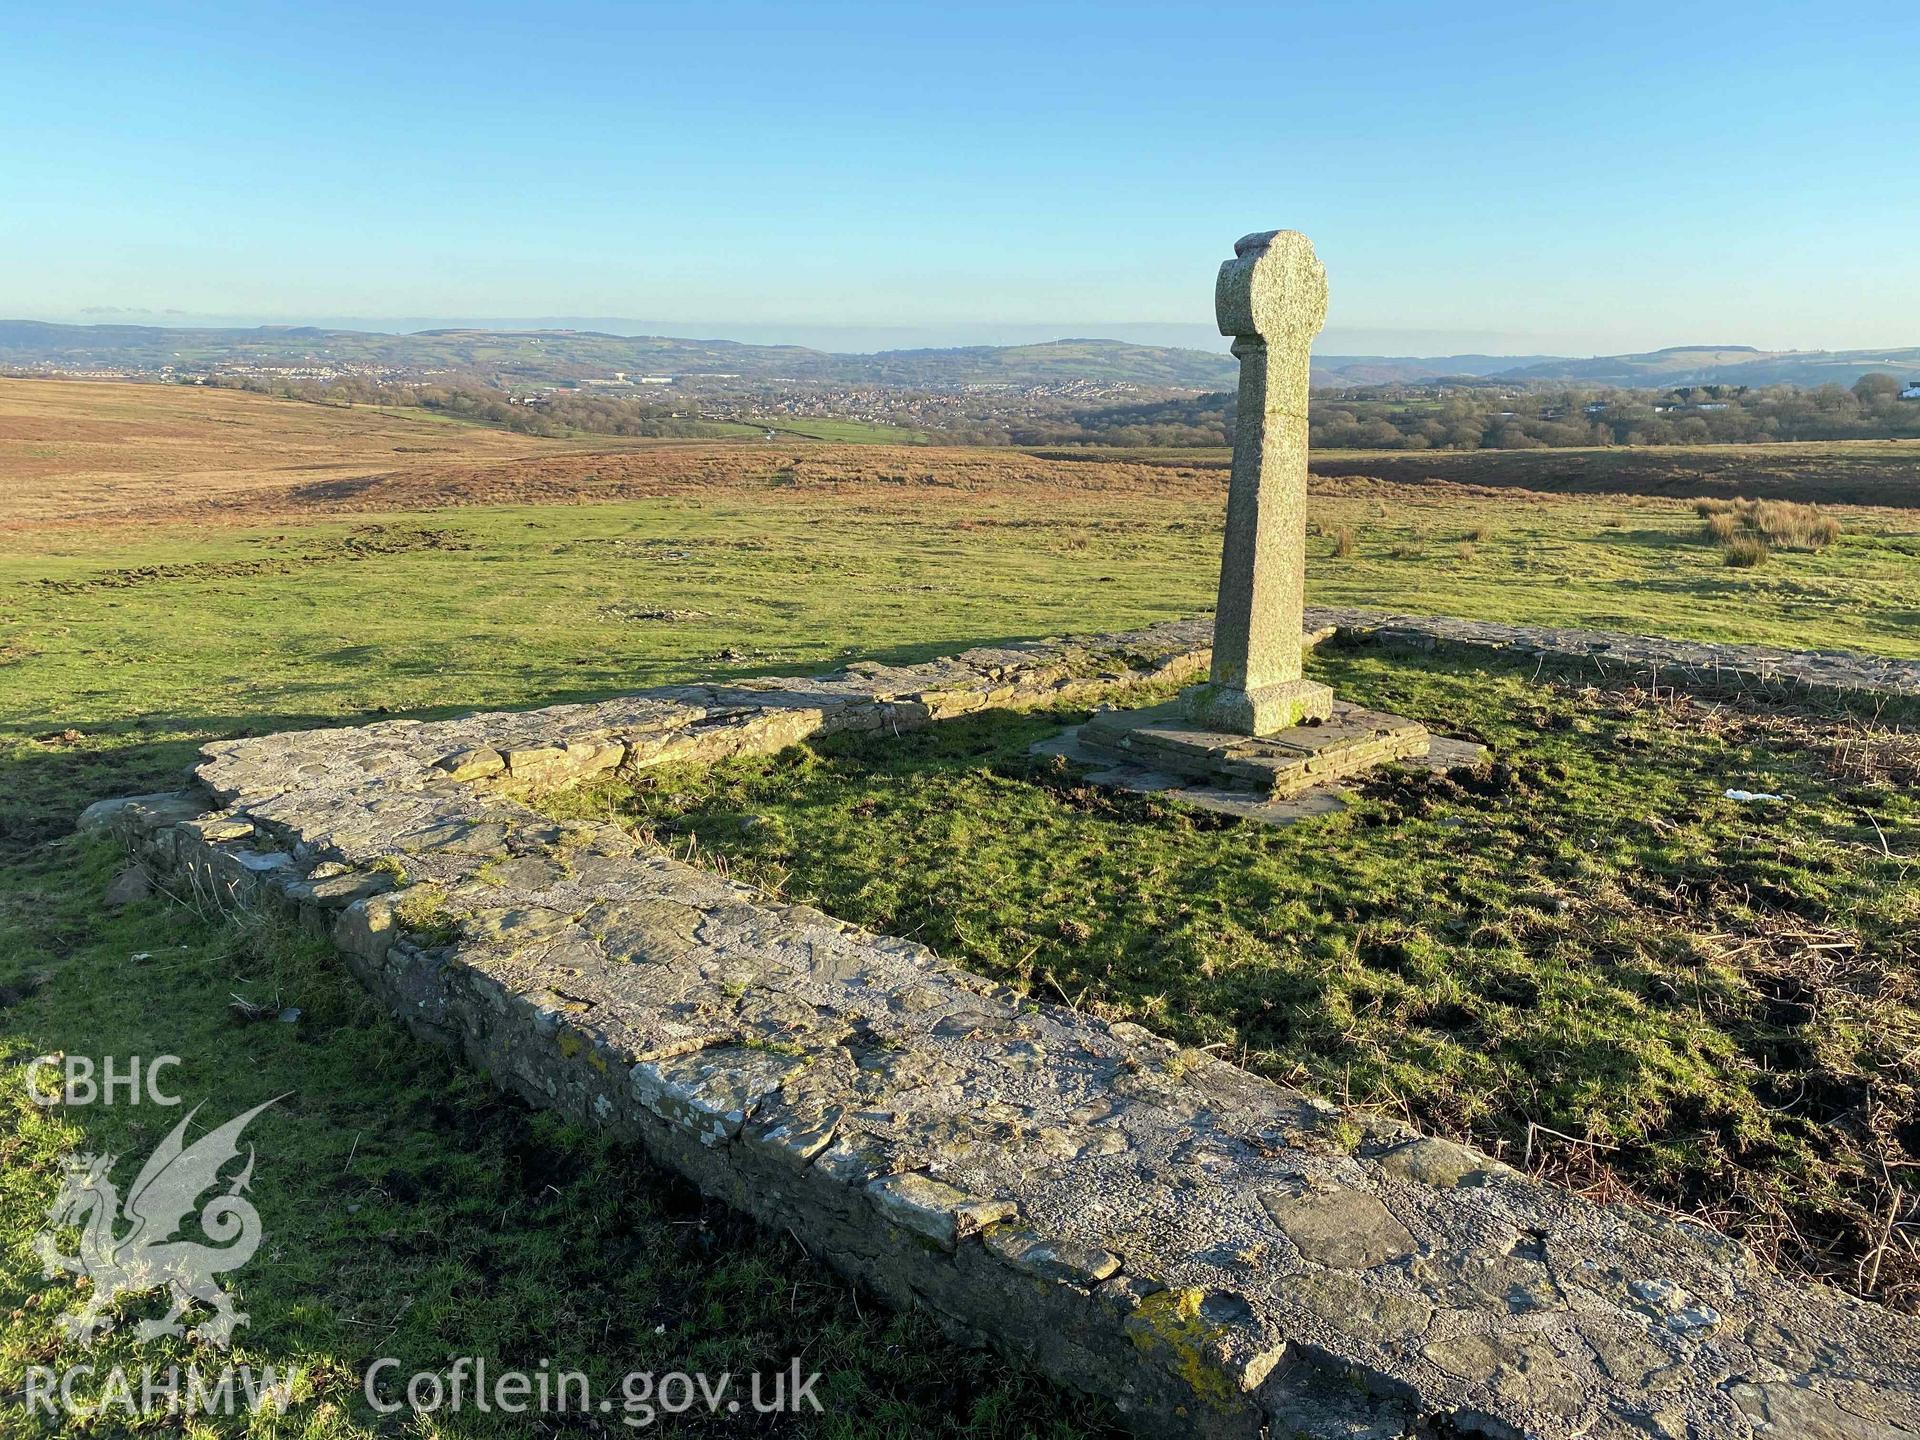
(1831, 472)
(1785, 524)
(106, 452)
(84, 450)
(1802, 971)
(1877, 756)
(1343, 543)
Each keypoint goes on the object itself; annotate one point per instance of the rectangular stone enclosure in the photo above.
(1216, 1254)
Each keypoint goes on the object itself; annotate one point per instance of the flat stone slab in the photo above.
(1324, 798)
(1349, 742)
(1210, 1251)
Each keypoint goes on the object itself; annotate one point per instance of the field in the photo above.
(181, 565)
(1843, 472)
(71, 451)
(846, 432)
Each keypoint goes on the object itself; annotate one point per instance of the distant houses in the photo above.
(1912, 392)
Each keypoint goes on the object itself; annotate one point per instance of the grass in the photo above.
(1585, 958)
(420, 584)
(409, 1210)
(1844, 472)
(71, 449)
(1748, 530)
(847, 432)
(146, 640)
(1830, 472)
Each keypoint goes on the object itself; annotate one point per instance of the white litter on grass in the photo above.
(1745, 795)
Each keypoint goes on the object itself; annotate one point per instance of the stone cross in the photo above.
(1272, 298)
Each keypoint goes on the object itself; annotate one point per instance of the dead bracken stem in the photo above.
(1534, 1128)
(1870, 1280)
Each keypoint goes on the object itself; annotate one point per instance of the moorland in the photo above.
(1630, 981)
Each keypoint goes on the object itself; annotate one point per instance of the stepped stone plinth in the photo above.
(1166, 738)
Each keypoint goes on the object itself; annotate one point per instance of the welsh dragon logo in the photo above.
(148, 1254)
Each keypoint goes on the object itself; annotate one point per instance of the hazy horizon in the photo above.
(862, 340)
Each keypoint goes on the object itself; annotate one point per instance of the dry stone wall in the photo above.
(1216, 1254)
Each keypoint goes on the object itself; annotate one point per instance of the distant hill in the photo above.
(531, 357)
(1722, 365)
(1653, 369)
(545, 356)
(1406, 369)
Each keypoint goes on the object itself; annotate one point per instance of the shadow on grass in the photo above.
(1655, 539)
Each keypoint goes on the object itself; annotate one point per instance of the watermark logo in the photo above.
(132, 1246)
(76, 1080)
(644, 1397)
(82, 1393)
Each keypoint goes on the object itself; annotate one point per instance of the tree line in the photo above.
(561, 413)
(1385, 417)
(1479, 418)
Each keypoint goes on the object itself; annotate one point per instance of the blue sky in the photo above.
(1558, 178)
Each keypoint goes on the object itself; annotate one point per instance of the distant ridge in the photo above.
(538, 356)
(546, 356)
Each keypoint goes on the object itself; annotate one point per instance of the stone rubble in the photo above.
(1215, 1254)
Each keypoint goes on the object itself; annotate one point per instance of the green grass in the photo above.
(1715, 1001)
(150, 641)
(409, 1210)
(849, 432)
(247, 630)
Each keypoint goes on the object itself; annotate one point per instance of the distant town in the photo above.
(1065, 393)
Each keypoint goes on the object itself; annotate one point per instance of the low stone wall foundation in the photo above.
(1208, 1250)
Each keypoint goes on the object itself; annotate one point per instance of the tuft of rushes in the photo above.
(1737, 525)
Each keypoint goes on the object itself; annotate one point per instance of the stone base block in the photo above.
(1264, 711)
(1163, 738)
